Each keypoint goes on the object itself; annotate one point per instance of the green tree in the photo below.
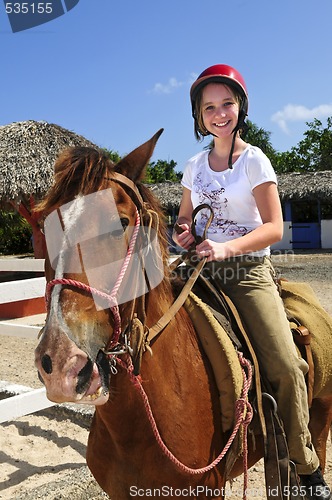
(15, 233)
(161, 171)
(113, 155)
(313, 153)
(261, 138)
(286, 161)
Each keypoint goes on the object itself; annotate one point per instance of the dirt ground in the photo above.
(43, 455)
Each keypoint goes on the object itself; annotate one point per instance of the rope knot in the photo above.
(243, 410)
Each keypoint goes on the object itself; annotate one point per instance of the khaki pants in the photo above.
(249, 282)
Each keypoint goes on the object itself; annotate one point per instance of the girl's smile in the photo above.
(222, 124)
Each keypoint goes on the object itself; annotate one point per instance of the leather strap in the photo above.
(177, 304)
(276, 460)
(203, 206)
(281, 478)
(302, 338)
(125, 181)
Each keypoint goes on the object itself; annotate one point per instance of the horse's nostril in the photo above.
(47, 364)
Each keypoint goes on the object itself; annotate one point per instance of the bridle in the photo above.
(111, 297)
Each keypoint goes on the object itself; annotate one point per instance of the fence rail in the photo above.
(15, 291)
(24, 404)
(21, 265)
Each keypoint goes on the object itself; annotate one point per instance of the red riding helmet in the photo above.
(221, 73)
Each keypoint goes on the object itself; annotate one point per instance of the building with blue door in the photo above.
(307, 208)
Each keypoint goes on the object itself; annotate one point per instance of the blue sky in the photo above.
(116, 72)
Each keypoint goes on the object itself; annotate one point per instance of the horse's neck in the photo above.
(175, 352)
(179, 408)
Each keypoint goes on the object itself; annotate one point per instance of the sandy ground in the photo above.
(43, 455)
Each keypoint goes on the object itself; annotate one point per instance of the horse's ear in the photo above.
(133, 165)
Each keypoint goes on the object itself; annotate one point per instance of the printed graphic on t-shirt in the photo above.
(215, 195)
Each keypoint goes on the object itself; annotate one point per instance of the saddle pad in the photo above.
(302, 304)
(222, 356)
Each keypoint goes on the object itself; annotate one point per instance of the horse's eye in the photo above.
(118, 233)
(124, 222)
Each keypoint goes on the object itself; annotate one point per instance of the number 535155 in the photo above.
(29, 8)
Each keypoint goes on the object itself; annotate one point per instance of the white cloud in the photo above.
(167, 88)
(172, 85)
(193, 77)
(295, 113)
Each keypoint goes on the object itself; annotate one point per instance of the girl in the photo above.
(239, 183)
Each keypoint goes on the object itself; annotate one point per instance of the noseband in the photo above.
(112, 296)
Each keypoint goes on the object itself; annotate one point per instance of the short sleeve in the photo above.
(187, 178)
(259, 168)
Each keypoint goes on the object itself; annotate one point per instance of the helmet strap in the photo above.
(230, 158)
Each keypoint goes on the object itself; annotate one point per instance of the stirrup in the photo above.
(276, 456)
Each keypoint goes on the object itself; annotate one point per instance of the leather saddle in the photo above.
(280, 472)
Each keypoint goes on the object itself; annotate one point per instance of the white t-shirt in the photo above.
(229, 193)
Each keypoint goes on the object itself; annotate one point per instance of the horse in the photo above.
(157, 415)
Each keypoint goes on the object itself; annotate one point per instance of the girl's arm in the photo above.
(268, 204)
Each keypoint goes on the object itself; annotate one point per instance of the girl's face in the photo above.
(220, 109)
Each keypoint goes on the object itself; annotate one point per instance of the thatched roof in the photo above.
(27, 154)
(168, 193)
(292, 186)
(29, 149)
(306, 186)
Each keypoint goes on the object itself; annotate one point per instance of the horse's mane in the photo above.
(85, 170)
(77, 170)
(153, 204)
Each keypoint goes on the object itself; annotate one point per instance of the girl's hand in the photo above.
(184, 239)
(213, 250)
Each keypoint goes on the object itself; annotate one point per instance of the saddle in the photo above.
(297, 298)
(280, 472)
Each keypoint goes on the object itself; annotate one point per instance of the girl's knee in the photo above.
(287, 371)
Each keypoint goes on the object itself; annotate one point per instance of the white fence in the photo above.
(19, 265)
(12, 291)
(22, 404)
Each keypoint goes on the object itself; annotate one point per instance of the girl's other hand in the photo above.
(182, 236)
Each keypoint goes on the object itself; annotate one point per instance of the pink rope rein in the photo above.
(243, 416)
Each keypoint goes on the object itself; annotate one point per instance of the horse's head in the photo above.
(106, 252)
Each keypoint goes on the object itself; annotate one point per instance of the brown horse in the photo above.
(86, 321)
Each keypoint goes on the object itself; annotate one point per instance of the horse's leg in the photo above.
(320, 423)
